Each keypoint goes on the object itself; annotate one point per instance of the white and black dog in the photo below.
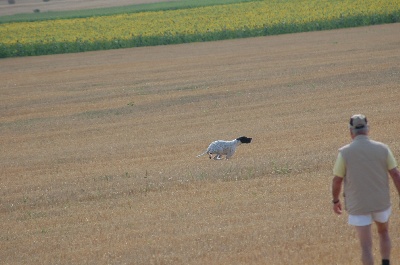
(228, 148)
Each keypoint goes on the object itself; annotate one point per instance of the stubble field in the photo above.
(98, 149)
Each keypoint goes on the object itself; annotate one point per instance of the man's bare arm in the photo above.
(336, 188)
(395, 174)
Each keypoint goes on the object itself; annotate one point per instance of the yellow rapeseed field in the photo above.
(259, 18)
(190, 21)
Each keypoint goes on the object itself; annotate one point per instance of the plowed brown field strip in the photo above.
(28, 6)
(98, 150)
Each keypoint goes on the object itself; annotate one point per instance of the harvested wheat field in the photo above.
(98, 150)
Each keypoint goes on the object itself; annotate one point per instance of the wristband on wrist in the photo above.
(335, 201)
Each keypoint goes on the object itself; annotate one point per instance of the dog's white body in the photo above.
(227, 148)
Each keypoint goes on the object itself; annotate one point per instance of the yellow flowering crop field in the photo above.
(191, 25)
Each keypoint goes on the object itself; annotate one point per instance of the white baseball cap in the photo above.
(358, 121)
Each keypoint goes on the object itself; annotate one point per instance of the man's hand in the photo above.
(337, 208)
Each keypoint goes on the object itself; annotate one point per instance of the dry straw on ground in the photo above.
(98, 150)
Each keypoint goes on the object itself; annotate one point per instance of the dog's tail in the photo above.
(202, 154)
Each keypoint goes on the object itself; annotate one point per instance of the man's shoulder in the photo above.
(377, 143)
(344, 147)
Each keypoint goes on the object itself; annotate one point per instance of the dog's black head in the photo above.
(244, 140)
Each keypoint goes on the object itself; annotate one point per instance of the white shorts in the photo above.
(363, 220)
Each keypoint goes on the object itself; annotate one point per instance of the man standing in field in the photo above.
(363, 166)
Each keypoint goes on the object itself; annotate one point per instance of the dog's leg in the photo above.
(230, 154)
(218, 157)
